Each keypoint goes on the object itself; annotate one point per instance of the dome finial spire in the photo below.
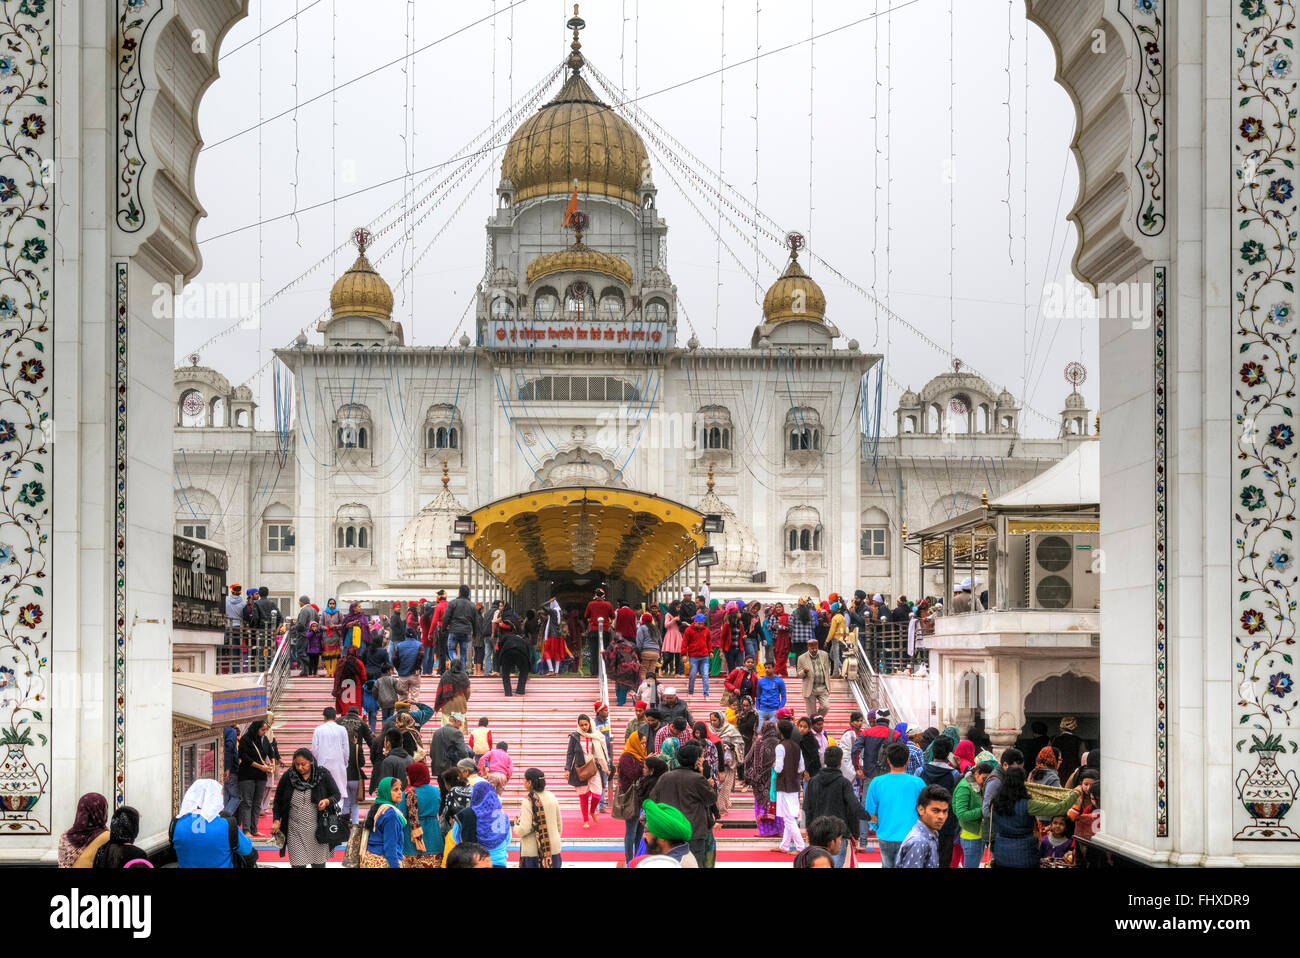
(445, 480)
(710, 477)
(361, 239)
(576, 23)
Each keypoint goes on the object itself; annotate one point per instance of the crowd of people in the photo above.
(694, 637)
(931, 798)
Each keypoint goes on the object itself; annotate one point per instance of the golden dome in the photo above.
(794, 296)
(580, 257)
(575, 136)
(361, 292)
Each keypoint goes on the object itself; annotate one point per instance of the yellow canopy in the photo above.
(628, 535)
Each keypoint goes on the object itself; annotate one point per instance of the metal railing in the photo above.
(868, 688)
(604, 677)
(246, 650)
(887, 646)
(277, 673)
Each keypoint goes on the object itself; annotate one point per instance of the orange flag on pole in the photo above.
(572, 207)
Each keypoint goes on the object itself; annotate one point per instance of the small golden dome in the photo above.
(580, 258)
(794, 296)
(576, 136)
(361, 292)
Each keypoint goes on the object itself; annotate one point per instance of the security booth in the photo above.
(203, 707)
(1030, 651)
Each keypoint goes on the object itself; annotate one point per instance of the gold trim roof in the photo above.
(781, 302)
(580, 258)
(361, 292)
(576, 136)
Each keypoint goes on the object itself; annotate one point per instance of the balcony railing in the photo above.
(886, 646)
(246, 651)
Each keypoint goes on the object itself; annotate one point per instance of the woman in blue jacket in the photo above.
(387, 827)
(200, 835)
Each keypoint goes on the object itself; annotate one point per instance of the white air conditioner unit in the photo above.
(1058, 571)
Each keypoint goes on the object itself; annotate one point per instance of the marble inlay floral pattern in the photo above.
(119, 534)
(26, 397)
(134, 17)
(1161, 552)
(1143, 16)
(1264, 368)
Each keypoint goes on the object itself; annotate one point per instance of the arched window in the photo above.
(875, 534)
(714, 427)
(277, 529)
(611, 305)
(803, 529)
(218, 408)
(803, 426)
(193, 410)
(443, 428)
(353, 528)
(355, 427)
(579, 301)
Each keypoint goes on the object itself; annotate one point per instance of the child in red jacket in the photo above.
(695, 644)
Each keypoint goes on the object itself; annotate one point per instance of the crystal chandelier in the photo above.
(584, 543)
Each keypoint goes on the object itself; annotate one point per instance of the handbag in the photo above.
(332, 828)
(621, 806)
(586, 771)
(357, 840)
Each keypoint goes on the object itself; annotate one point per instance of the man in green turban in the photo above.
(667, 832)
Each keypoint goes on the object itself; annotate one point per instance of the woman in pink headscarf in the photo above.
(964, 755)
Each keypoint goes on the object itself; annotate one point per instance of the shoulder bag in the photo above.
(621, 805)
(586, 771)
(332, 828)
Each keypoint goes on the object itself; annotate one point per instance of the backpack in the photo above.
(237, 860)
(882, 760)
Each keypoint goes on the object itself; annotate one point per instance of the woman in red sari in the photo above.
(778, 625)
(349, 677)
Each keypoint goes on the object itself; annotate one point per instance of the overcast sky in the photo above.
(421, 111)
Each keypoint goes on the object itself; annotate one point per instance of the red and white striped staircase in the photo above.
(537, 727)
